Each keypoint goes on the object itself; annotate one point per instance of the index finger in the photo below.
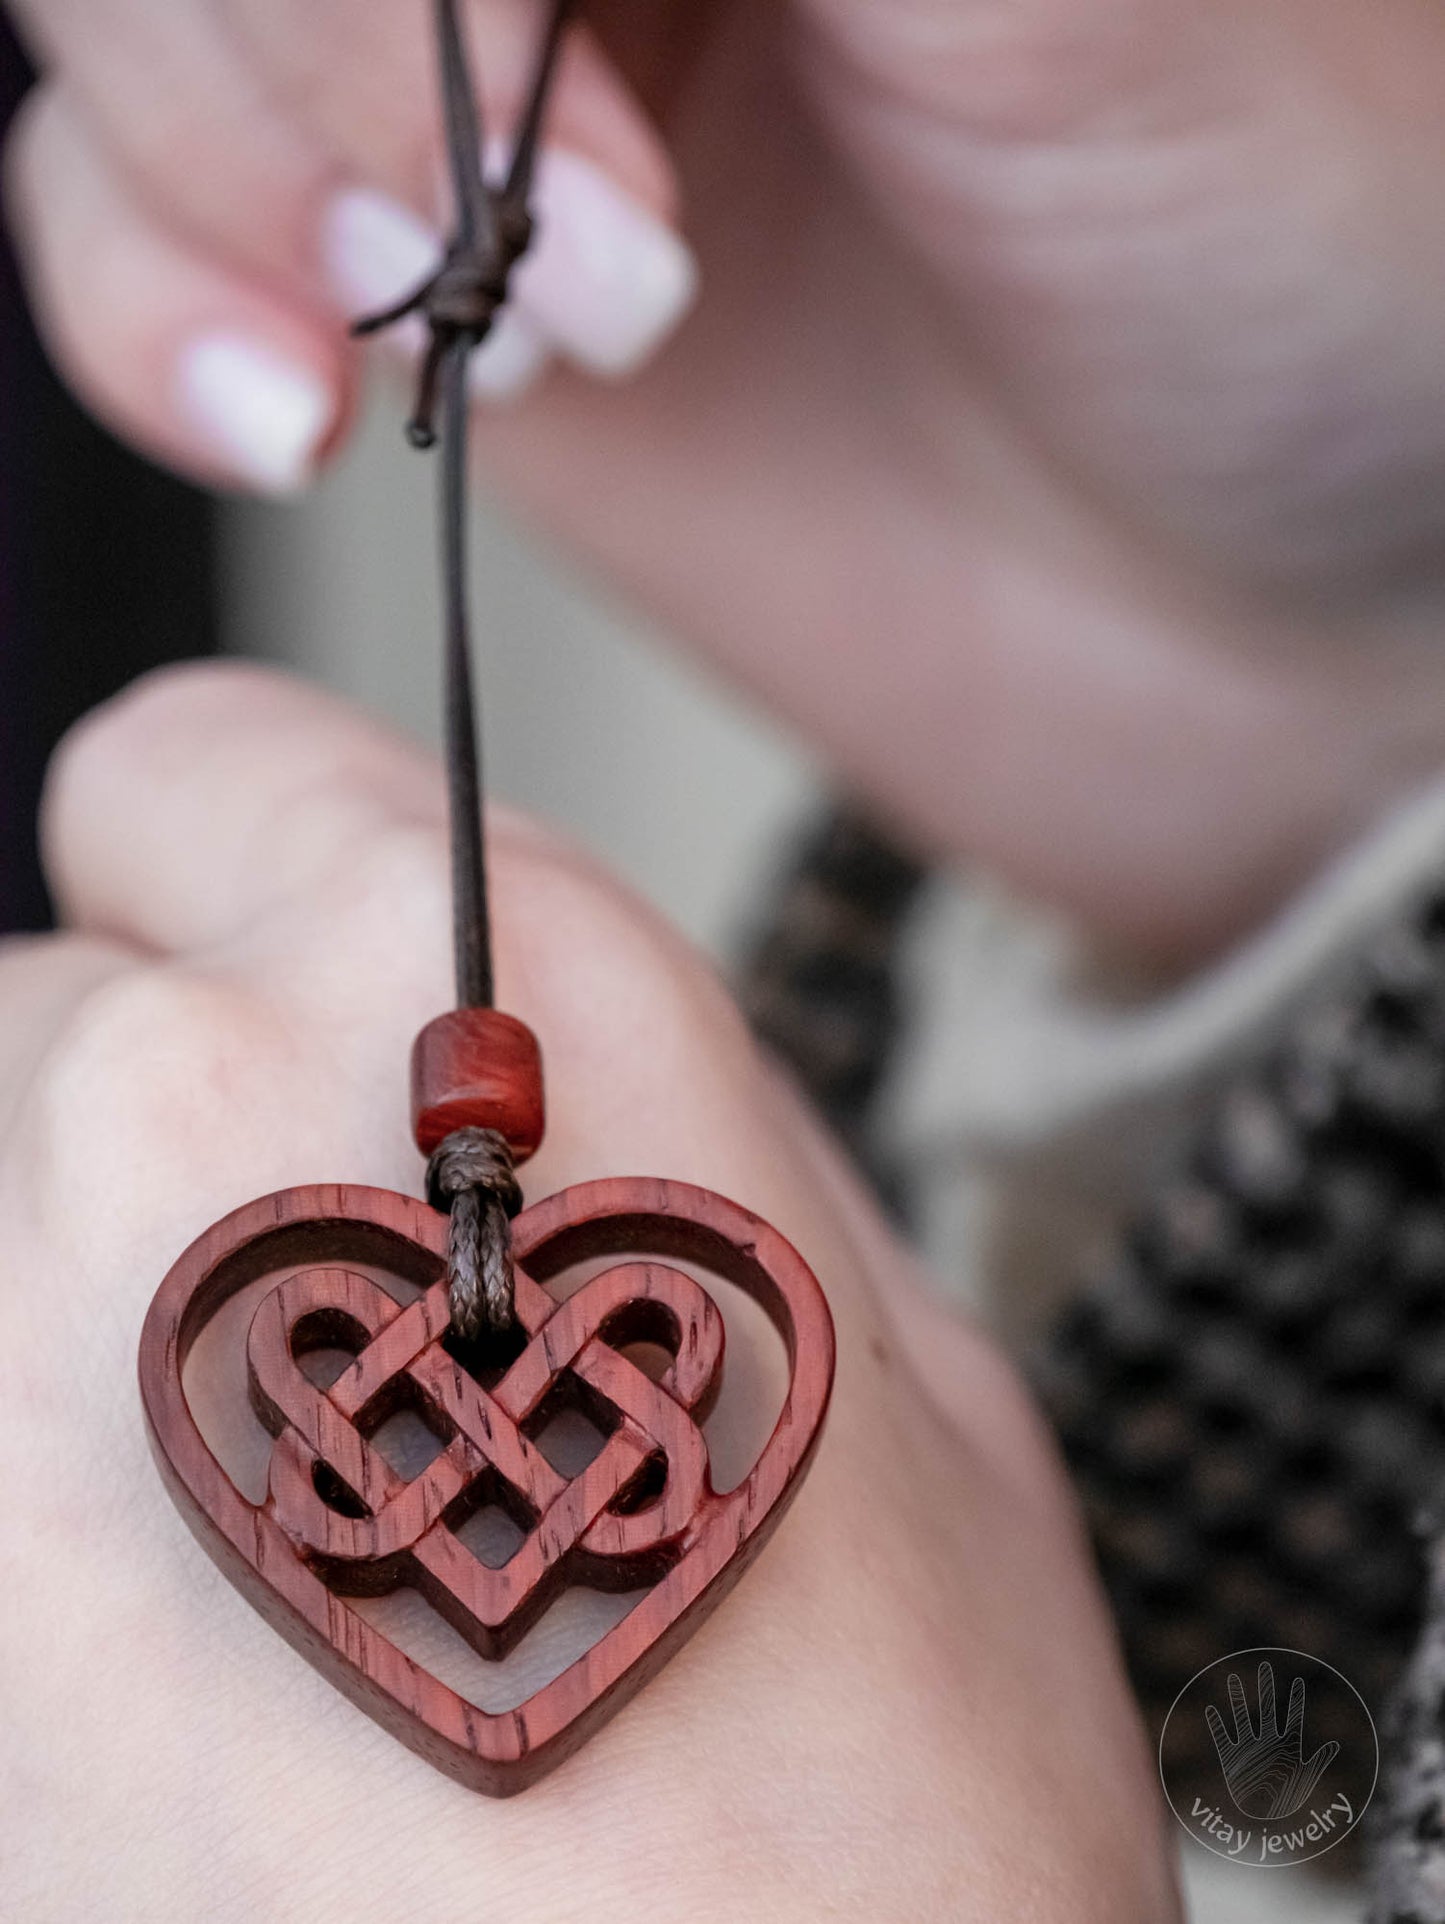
(199, 798)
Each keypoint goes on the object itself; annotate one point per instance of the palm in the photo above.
(992, 419)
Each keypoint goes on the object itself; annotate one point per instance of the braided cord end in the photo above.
(471, 1175)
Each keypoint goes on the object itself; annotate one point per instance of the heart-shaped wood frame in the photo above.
(300, 1228)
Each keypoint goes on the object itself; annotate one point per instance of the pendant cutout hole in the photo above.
(323, 1366)
(570, 1440)
(492, 1536)
(408, 1442)
(334, 1493)
(328, 1332)
(644, 1488)
(568, 1631)
(651, 1358)
(488, 1357)
(492, 1520)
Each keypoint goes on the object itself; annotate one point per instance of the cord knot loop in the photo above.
(471, 1175)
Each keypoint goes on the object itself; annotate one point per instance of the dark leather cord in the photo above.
(471, 913)
(459, 304)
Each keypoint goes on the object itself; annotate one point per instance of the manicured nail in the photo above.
(374, 251)
(264, 417)
(606, 281)
(509, 363)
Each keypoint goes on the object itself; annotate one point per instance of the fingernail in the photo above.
(509, 363)
(606, 281)
(263, 416)
(374, 251)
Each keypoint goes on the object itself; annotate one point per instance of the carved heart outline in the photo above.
(496, 1753)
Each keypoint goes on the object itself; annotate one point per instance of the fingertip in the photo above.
(268, 417)
(89, 767)
(208, 372)
(170, 811)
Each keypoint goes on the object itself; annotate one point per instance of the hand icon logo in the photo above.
(1284, 1806)
(1265, 1770)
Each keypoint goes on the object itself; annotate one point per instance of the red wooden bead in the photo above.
(477, 1069)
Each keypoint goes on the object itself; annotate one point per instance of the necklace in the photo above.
(442, 1308)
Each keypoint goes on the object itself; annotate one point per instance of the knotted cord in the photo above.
(459, 304)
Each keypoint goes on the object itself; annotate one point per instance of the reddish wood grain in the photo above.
(315, 1542)
(477, 1069)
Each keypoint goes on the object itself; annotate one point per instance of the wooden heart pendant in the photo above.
(363, 1272)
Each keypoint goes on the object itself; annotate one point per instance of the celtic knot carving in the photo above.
(618, 1524)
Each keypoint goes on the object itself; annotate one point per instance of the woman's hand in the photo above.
(912, 1706)
(1060, 437)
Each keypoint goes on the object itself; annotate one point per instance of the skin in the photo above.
(912, 1707)
(1059, 443)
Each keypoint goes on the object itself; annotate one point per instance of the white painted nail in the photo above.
(606, 282)
(511, 360)
(374, 251)
(263, 416)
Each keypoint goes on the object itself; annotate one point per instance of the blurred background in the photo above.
(107, 567)
(589, 721)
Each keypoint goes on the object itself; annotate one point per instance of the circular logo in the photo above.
(1297, 1757)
